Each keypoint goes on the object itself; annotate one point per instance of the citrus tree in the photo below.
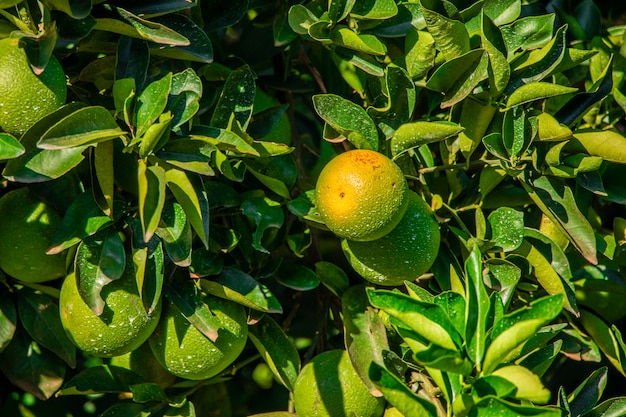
(314, 208)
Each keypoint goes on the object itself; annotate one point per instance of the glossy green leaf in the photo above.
(613, 407)
(101, 379)
(400, 92)
(147, 392)
(507, 228)
(495, 407)
(8, 319)
(151, 183)
(408, 19)
(528, 385)
(517, 327)
(186, 296)
(476, 116)
(607, 144)
(267, 214)
(193, 155)
(368, 44)
(540, 63)
(477, 308)
(608, 339)
(133, 59)
(10, 147)
(333, 277)
(537, 91)
(453, 303)
(151, 103)
(348, 119)
(240, 287)
(175, 232)
(420, 51)
(39, 315)
(100, 259)
(339, 9)
(365, 336)
(104, 188)
(412, 135)
(491, 41)
(85, 126)
(155, 135)
(458, 77)
(549, 129)
(399, 395)
(450, 35)
(360, 61)
(189, 191)
(374, 9)
(273, 184)
(237, 98)
(426, 319)
(517, 131)
(30, 368)
(220, 14)
(588, 393)
(300, 19)
(277, 350)
(502, 12)
(83, 218)
(556, 200)
(224, 140)
(296, 276)
(136, 27)
(198, 48)
(503, 277)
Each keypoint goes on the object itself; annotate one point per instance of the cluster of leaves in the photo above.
(175, 150)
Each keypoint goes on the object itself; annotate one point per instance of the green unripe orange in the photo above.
(405, 253)
(26, 226)
(328, 386)
(185, 352)
(361, 195)
(24, 96)
(123, 326)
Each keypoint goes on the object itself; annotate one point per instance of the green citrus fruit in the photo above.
(24, 96)
(361, 195)
(123, 326)
(405, 253)
(328, 386)
(142, 362)
(186, 352)
(27, 225)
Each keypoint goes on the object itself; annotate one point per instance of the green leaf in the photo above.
(515, 328)
(528, 32)
(31, 368)
(426, 319)
(191, 155)
(133, 59)
(414, 134)
(540, 360)
(399, 395)
(151, 185)
(528, 385)
(507, 228)
(517, 132)
(37, 165)
(126, 409)
(39, 315)
(224, 140)
(198, 48)
(273, 184)
(151, 103)
(236, 285)
(458, 77)
(8, 319)
(419, 51)
(540, 63)
(502, 12)
(175, 233)
(186, 296)
(295, 276)
(155, 136)
(147, 392)
(491, 40)
(266, 214)
(537, 90)
(556, 200)
(451, 35)
(300, 19)
(374, 9)
(613, 407)
(477, 308)
(495, 407)
(277, 350)
(101, 379)
(408, 19)
(607, 144)
(184, 97)
(549, 129)
(10, 147)
(220, 14)
(339, 9)
(100, 259)
(148, 266)
(76, 9)
(399, 90)
(189, 191)
(237, 98)
(364, 334)
(83, 218)
(608, 339)
(137, 27)
(104, 186)
(503, 277)
(333, 277)
(348, 119)
(367, 44)
(588, 393)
